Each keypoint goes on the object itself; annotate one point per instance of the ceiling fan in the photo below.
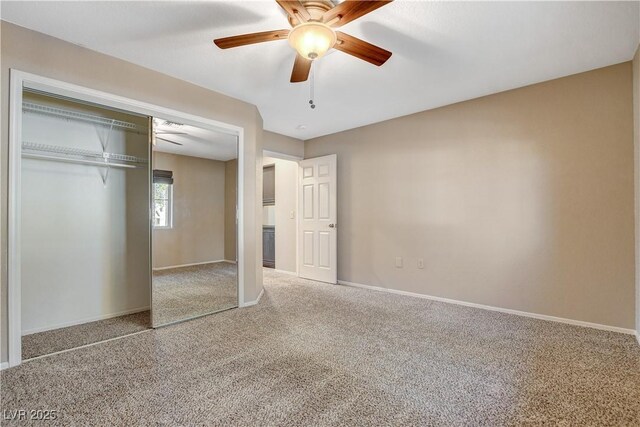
(164, 132)
(165, 123)
(313, 33)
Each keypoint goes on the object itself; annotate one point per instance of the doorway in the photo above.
(280, 214)
(300, 216)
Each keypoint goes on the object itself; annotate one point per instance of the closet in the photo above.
(85, 231)
(97, 186)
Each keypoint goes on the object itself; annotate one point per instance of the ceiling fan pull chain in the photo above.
(312, 105)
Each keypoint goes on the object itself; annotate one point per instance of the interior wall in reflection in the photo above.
(197, 230)
(230, 213)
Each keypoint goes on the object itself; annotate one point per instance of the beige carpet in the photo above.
(179, 294)
(316, 354)
(88, 333)
(186, 292)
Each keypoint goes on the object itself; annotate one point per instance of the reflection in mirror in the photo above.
(194, 222)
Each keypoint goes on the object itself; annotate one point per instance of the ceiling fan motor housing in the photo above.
(316, 9)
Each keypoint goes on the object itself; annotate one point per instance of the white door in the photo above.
(317, 213)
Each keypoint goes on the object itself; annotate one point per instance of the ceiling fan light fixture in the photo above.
(312, 39)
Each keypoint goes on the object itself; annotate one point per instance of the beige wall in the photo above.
(286, 202)
(521, 200)
(37, 53)
(198, 224)
(636, 144)
(282, 144)
(230, 198)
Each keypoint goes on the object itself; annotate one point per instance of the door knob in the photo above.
(332, 226)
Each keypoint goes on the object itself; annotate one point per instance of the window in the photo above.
(162, 199)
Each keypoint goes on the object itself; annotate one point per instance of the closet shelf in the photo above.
(78, 155)
(69, 114)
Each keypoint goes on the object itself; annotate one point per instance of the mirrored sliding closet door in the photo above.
(194, 198)
(84, 213)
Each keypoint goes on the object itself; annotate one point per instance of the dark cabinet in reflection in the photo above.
(269, 246)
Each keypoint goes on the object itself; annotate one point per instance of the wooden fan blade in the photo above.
(301, 68)
(168, 140)
(349, 10)
(295, 10)
(245, 39)
(361, 49)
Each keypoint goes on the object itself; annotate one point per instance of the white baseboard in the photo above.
(638, 337)
(192, 264)
(85, 320)
(492, 308)
(254, 302)
(229, 261)
(4, 365)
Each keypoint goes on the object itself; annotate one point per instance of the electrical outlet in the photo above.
(399, 261)
(420, 263)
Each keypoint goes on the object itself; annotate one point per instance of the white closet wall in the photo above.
(85, 243)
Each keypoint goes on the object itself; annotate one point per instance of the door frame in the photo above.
(20, 80)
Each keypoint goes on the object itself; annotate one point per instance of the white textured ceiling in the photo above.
(443, 52)
(196, 142)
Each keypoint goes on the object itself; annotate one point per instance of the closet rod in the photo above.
(79, 156)
(79, 152)
(79, 161)
(69, 114)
